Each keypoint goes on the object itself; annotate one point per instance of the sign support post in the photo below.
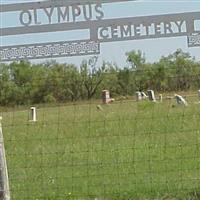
(4, 181)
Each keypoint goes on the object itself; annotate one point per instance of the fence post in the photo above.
(4, 181)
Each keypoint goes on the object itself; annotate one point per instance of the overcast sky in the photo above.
(115, 51)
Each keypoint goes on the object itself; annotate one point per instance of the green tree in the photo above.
(136, 59)
(91, 80)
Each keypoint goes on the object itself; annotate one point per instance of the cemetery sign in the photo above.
(62, 15)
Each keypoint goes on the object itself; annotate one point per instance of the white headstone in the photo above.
(33, 114)
(199, 93)
(105, 96)
(180, 100)
(151, 95)
(160, 97)
(138, 96)
(144, 96)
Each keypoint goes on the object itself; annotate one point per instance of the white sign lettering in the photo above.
(141, 30)
(73, 13)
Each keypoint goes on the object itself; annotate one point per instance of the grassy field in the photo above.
(127, 151)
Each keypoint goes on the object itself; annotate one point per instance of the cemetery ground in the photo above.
(128, 150)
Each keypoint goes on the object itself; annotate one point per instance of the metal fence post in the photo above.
(4, 181)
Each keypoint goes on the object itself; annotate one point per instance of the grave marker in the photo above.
(180, 100)
(105, 96)
(160, 97)
(33, 114)
(151, 95)
(138, 96)
(199, 93)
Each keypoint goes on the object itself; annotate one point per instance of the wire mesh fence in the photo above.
(128, 149)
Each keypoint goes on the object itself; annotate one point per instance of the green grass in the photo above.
(129, 151)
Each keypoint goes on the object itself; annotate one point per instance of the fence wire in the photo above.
(89, 150)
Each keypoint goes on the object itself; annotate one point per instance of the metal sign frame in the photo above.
(101, 30)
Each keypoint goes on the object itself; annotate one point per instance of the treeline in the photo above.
(24, 83)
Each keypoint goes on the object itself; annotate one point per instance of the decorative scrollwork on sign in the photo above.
(49, 50)
(194, 40)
